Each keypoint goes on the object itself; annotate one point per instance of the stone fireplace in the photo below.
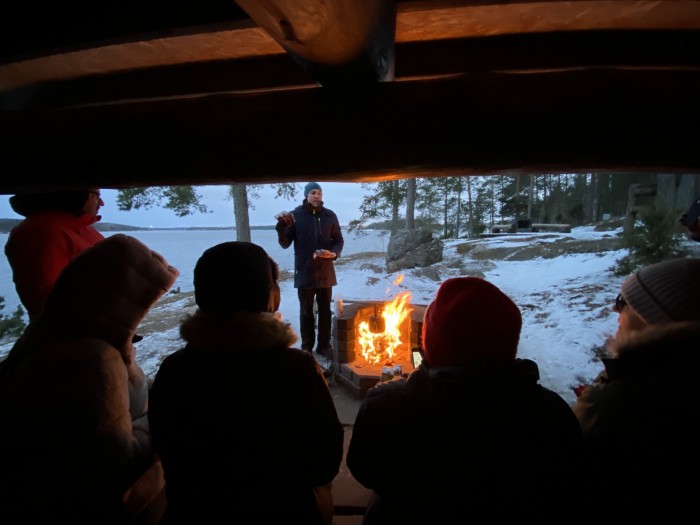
(350, 368)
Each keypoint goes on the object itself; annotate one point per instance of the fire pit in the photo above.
(370, 335)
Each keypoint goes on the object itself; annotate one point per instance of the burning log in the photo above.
(381, 345)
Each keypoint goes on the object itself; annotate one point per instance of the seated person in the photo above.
(245, 424)
(470, 436)
(641, 417)
(73, 401)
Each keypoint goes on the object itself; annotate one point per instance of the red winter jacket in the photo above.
(40, 247)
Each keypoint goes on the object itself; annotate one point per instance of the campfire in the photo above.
(379, 339)
(374, 337)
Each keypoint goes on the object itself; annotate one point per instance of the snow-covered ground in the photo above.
(565, 300)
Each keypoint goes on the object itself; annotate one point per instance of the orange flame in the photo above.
(377, 347)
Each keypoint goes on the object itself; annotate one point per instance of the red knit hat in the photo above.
(470, 320)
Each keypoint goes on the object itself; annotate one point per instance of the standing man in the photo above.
(57, 227)
(318, 241)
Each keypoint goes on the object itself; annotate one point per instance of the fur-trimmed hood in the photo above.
(104, 293)
(657, 337)
(216, 331)
(653, 345)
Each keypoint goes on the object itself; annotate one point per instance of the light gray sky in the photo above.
(341, 197)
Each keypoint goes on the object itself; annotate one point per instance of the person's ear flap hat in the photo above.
(470, 320)
(236, 276)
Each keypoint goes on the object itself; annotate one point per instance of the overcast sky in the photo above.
(343, 198)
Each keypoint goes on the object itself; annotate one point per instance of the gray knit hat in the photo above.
(666, 291)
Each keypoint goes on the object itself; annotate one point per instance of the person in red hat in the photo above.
(470, 435)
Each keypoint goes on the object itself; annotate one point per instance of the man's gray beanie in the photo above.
(666, 291)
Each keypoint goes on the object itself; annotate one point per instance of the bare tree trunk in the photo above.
(595, 197)
(394, 206)
(470, 220)
(529, 197)
(411, 204)
(444, 215)
(240, 212)
(458, 221)
(588, 182)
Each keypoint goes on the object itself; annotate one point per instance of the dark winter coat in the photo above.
(73, 401)
(245, 425)
(641, 423)
(465, 445)
(313, 229)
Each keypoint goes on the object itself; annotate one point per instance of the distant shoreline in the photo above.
(6, 226)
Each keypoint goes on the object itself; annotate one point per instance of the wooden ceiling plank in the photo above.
(576, 121)
(416, 21)
(562, 50)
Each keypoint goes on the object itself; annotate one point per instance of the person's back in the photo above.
(641, 418)
(57, 227)
(468, 440)
(73, 401)
(245, 425)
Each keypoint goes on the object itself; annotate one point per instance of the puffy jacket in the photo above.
(73, 401)
(313, 229)
(245, 425)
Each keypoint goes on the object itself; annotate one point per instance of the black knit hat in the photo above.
(27, 204)
(236, 276)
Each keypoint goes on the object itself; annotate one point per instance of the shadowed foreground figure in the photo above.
(245, 424)
(641, 417)
(470, 436)
(73, 402)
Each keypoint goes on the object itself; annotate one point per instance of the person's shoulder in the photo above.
(330, 214)
(44, 222)
(296, 357)
(396, 386)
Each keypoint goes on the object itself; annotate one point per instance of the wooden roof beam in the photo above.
(574, 121)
